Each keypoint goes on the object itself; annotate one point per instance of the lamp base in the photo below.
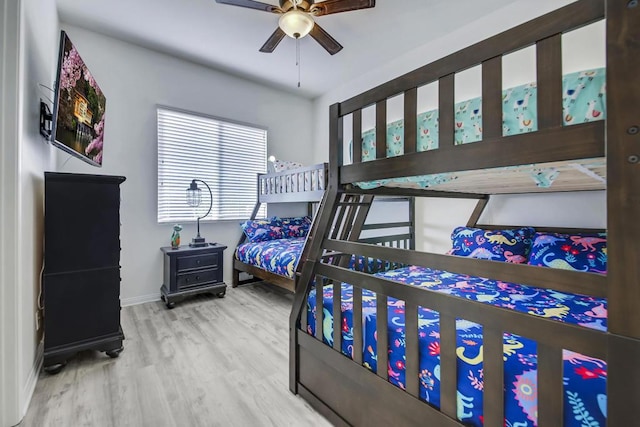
(198, 242)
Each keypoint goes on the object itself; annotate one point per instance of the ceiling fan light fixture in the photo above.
(296, 24)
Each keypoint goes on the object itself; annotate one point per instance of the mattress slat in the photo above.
(319, 308)
(492, 97)
(410, 120)
(381, 129)
(411, 349)
(549, 70)
(383, 336)
(493, 366)
(357, 326)
(448, 366)
(337, 317)
(550, 391)
(446, 100)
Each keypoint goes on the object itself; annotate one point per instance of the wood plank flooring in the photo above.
(207, 362)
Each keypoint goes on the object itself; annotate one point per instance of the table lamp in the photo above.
(194, 197)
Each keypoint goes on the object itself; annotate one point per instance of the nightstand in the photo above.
(191, 271)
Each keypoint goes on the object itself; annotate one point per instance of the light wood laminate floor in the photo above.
(207, 362)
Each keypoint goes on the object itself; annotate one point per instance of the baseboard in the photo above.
(30, 385)
(126, 302)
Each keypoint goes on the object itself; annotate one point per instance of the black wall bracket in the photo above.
(46, 118)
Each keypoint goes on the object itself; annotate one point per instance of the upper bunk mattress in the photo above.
(584, 377)
(584, 100)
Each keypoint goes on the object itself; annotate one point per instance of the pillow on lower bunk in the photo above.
(261, 230)
(496, 245)
(295, 227)
(285, 165)
(578, 252)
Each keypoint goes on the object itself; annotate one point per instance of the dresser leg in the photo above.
(114, 353)
(55, 368)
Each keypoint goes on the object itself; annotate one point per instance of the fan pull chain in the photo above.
(298, 58)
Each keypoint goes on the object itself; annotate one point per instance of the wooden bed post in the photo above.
(412, 220)
(623, 207)
(325, 215)
(335, 146)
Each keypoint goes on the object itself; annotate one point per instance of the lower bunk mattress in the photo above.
(278, 256)
(584, 377)
(281, 256)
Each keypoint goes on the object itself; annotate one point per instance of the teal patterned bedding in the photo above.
(584, 377)
(583, 100)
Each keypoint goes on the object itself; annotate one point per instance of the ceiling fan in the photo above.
(296, 19)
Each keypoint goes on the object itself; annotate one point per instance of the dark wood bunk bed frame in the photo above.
(307, 185)
(300, 185)
(348, 393)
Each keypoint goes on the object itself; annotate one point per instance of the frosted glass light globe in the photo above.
(296, 24)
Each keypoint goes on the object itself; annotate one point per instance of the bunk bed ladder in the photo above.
(350, 212)
(310, 256)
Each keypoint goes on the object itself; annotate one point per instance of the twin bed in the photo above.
(270, 249)
(267, 250)
(516, 326)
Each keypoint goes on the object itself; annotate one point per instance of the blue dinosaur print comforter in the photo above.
(279, 256)
(584, 376)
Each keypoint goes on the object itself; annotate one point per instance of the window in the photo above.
(226, 155)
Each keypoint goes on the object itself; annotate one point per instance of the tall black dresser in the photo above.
(81, 282)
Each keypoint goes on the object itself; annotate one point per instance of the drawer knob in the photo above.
(198, 262)
(197, 277)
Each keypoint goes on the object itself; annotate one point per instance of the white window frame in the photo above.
(224, 153)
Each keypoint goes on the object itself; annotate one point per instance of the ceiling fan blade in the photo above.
(336, 6)
(325, 40)
(251, 5)
(273, 41)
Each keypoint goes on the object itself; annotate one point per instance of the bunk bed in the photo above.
(305, 184)
(270, 249)
(414, 313)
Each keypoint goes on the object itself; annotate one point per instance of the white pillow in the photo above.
(283, 165)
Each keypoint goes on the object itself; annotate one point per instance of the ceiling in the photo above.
(227, 38)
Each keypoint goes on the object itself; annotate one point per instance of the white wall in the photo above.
(134, 81)
(9, 162)
(38, 51)
(33, 29)
(437, 217)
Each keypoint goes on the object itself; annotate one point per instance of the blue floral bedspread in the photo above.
(279, 256)
(584, 377)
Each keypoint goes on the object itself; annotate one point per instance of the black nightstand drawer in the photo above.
(197, 278)
(190, 271)
(197, 261)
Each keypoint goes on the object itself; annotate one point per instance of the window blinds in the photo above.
(226, 155)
